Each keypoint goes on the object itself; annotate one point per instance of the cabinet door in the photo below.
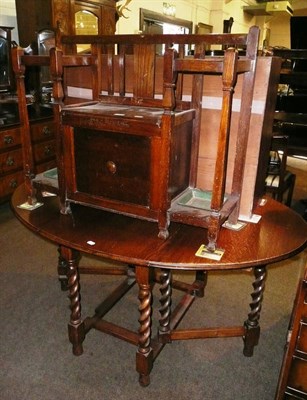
(112, 165)
(46, 14)
(87, 21)
(94, 19)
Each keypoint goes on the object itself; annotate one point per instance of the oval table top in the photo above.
(280, 234)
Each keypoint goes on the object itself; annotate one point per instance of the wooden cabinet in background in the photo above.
(293, 376)
(11, 162)
(11, 167)
(43, 139)
(48, 13)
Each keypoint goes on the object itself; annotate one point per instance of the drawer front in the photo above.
(44, 151)
(10, 161)
(297, 375)
(42, 131)
(112, 165)
(302, 339)
(10, 182)
(9, 138)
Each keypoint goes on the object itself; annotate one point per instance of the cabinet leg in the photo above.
(163, 222)
(252, 327)
(144, 355)
(76, 332)
(213, 230)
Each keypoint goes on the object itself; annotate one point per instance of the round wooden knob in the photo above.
(111, 167)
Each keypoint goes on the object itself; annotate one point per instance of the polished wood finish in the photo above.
(10, 149)
(163, 132)
(37, 126)
(134, 242)
(27, 136)
(53, 13)
(11, 172)
(243, 249)
(292, 380)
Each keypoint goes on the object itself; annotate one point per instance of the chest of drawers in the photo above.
(11, 174)
(43, 140)
(11, 156)
(293, 376)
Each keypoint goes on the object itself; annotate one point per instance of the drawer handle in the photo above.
(46, 131)
(13, 184)
(8, 139)
(111, 167)
(47, 150)
(10, 161)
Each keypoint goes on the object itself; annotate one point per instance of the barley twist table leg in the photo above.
(252, 327)
(76, 331)
(62, 271)
(144, 355)
(165, 308)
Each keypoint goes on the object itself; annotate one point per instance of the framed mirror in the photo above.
(155, 23)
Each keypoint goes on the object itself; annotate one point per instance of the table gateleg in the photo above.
(144, 355)
(76, 331)
(252, 327)
(165, 305)
(62, 271)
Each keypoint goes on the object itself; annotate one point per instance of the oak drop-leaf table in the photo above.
(280, 234)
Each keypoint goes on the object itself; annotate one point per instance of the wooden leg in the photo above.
(29, 176)
(144, 355)
(62, 271)
(201, 278)
(290, 191)
(252, 327)
(76, 331)
(165, 308)
(213, 230)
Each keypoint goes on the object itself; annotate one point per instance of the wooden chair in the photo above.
(279, 180)
(37, 182)
(20, 63)
(159, 125)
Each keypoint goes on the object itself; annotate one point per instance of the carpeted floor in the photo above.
(36, 358)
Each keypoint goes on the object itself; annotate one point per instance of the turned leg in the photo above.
(30, 190)
(144, 355)
(201, 278)
(252, 327)
(76, 332)
(62, 271)
(165, 308)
